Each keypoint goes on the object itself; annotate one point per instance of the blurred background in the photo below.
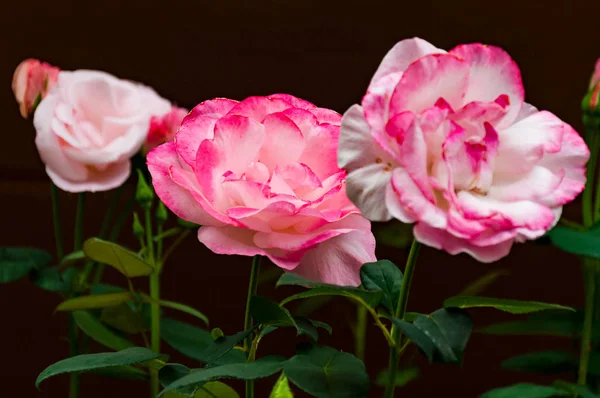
(322, 51)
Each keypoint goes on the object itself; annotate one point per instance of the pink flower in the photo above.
(444, 140)
(261, 176)
(32, 80)
(163, 128)
(90, 125)
(596, 76)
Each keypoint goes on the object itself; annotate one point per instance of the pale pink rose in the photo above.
(261, 176)
(444, 140)
(90, 125)
(164, 127)
(32, 80)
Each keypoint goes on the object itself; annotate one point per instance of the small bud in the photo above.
(591, 102)
(161, 213)
(138, 229)
(143, 193)
(32, 80)
(217, 334)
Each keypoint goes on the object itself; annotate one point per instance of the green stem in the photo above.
(73, 351)
(399, 314)
(89, 265)
(60, 252)
(360, 332)
(159, 244)
(114, 234)
(586, 336)
(154, 305)
(252, 287)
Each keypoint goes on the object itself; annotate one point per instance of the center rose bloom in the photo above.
(446, 141)
(261, 176)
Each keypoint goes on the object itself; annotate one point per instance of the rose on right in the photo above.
(445, 140)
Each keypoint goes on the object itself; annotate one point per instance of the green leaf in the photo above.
(123, 318)
(72, 258)
(172, 372)
(125, 261)
(307, 328)
(442, 336)
(212, 389)
(511, 306)
(224, 345)
(584, 243)
(403, 376)
(480, 284)
(367, 298)
(327, 373)
(122, 372)
(94, 301)
(574, 389)
(259, 369)
(89, 362)
(177, 306)
(322, 325)
(17, 262)
(524, 390)
(269, 313)
(542, 361)
(281, 389)
(547, 323)
(91, 326)
(193, 341)
(310, 305)
(51, 279)
(187, 224)
(386, 277)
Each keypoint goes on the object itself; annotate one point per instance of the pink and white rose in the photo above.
(90, 125)
(446, 141)
(261, 177)
(31, 82)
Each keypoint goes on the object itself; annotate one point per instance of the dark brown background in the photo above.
(326, 52)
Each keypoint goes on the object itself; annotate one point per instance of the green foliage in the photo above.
(327, 373)
(122, 372)
(91, 326)
(403, 376)
(89, 362)
(123, 260)
(122, 317)
(269, 313)
(223, 345)
(584, 243)
(386, 277)
(547, 323)
(259, 369)
(194, 342)
(177, 306)
(525, 390)
(442, 336)
(161, 213)
(574, 389)
(367, 298)
(17, 262)
(53, 280)
(95, 301)
(511, 306)
(72, 258)
(281, 389)
(542, 361)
